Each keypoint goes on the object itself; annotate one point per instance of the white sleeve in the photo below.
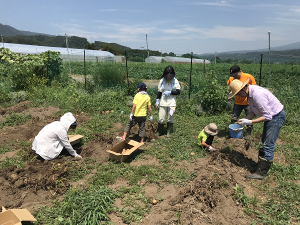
(63, 136)
(159, 85)
(177, 85)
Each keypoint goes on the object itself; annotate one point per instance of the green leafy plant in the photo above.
(87, 207)
(213, 97)
(14, 119)
(108, 76)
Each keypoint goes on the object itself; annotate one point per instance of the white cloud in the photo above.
(119, 10)
(116, 32)
(217, 3)
(297, 9)
(108, 10)
(237, 33)
(119, 32)
(173, 31)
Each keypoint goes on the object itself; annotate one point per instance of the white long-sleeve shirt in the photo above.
(54, 137)
(163, 86)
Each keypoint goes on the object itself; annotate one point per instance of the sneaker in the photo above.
(120, 138)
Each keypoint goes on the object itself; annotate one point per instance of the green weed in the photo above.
(134, 204)
(108, 173)
(14, 119)
(4, 149)
(88, 207)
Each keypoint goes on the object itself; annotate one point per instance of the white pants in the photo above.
(163, 111)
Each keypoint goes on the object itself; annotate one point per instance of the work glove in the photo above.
(77, 158)
(130, 117)
(228, 107)
(167, 93)
(211, 149)
(245, 122)
(151, 118)
(157, 102)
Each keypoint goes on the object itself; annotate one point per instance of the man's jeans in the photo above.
(237, 110)
(270, 134)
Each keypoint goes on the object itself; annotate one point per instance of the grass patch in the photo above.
(134, 203)
(108, 173)
(14, 119)
(86, 207)
(23, 157)
(4, 149)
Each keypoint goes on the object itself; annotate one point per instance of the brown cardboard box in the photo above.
(123, 150)
(15, 216)
(74, 139)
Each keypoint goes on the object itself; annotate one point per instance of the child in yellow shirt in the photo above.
(206, 136)
(138, 114)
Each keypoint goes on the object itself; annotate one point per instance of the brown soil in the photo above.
(37, 183)
(207, 199)
(34, 183)
(97, 148)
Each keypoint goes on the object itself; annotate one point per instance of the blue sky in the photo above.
(179, 26)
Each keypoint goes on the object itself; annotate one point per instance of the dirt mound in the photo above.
(151, 129)
(205, 200)
(16, 108)
(35, 182)
(41, 116)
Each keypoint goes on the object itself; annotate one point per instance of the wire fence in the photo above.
(195, 76)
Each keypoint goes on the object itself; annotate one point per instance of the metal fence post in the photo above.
(261, 56)
(204, 68)
(84, 69)
(127, 71)
(191, 75)
(48, 68)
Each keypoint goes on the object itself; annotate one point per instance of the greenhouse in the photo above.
(184, 60)
(71, 54)
(154, 59)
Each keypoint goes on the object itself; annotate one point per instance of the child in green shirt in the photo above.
(206, 137)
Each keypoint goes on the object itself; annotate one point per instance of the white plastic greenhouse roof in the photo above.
(35, 49)
(185, 60)
(153, 59)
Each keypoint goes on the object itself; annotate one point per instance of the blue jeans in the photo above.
(237, 110)
(270, 134)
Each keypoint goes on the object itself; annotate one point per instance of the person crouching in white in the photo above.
(51, 140)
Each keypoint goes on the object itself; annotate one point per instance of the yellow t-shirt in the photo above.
(244, 76)
(202, 137)
(142, 101)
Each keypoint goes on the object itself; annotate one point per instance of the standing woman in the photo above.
(269, 111)
(168, 88)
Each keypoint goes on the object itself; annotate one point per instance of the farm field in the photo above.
(190, 185)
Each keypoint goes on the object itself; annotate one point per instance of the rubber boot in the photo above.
(169, 130)
(247, 137)
(160, 130)
(262, 169)
(261, 154)
(248, 132)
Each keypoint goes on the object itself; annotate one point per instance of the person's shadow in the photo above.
(237, 158)
(77, 147)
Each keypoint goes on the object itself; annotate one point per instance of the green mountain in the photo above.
(8, 31)
(284, 56)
